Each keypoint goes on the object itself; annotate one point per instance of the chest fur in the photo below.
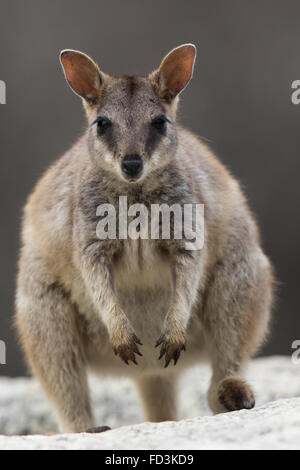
(143, 285)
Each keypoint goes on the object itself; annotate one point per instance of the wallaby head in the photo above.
(131, 119)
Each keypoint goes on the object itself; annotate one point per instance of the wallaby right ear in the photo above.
(82, 74)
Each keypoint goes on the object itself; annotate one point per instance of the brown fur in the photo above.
(84, 303)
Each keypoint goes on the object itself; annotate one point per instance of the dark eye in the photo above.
(102, 124)
(159, 123)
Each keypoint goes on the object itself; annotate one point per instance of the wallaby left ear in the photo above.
(175, 71)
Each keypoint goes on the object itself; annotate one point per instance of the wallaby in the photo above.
(85, 303)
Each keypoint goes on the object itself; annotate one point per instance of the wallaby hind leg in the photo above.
(236, 319)
(159, 398)
(46, 321)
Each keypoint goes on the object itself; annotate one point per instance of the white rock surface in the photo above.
(273, 424)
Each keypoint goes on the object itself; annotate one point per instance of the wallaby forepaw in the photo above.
(125, 346)
(171, 347)
(235, 394)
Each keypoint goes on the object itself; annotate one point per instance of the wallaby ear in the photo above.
(175, 71)
(82, 74)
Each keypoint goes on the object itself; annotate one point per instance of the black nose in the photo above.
(132, 165)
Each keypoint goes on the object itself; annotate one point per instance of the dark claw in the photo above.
(137, 340)
(247, 405)
(134, 361)
(125, 360)
(176, 357)
(98, 429)
(167, 362)
(159, 341)
(162, 352)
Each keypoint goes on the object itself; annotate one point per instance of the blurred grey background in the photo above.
(239, 99)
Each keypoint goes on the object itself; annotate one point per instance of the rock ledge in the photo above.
(273, 424)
